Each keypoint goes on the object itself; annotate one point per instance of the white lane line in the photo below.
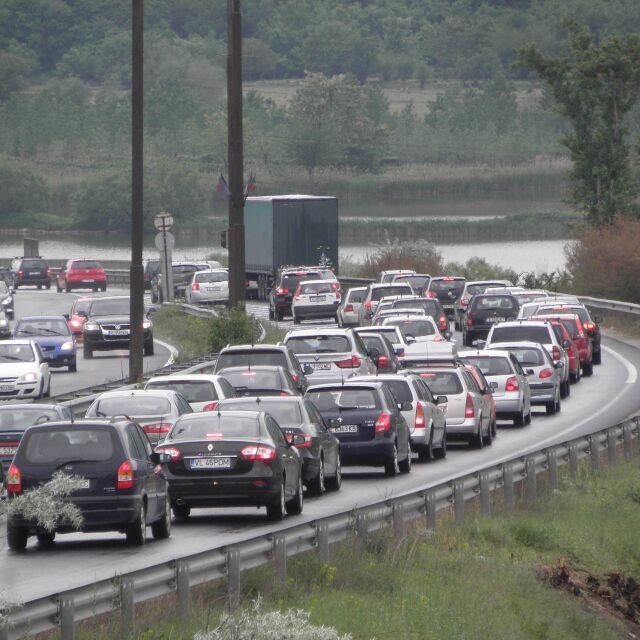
(172, 350)
(631, 370)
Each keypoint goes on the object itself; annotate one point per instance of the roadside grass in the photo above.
(476, 581)
(621, 324)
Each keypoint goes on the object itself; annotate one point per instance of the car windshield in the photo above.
(453, 288)
(133, 406)
(249, 358)
(475, 289)
(214, 427)
(16, 353)
(86, 264)
(284, 413)
(491, 366)
(527, 356)
(581, 312)
(251, 379)
(25, 417)
(109, 307)
(33, 264)
(190, 390)
(34, 327)
(205, 276)
(356, 295)
(319, 344)
(291, 281)
(494, 303)
(77, 443)
(442, 383)
(521, 333)
(343, 399)
(415, 328)
(316, 287)
(382, 292)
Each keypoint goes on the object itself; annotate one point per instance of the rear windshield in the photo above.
(570, 325)
(292, 281)
(109, 307)
(494, 303)
(133, 406)
(383, 292)
(284, 413)
(442, 287)
(33, 264)
(401, 391)
(212, 427)
(417, 283)
(77, 443)
(204, 276)
(442, 383)
(475, 289)
(86, 264)
(248, 358)
(318, 344)
(519, 333)
(34, 327)
(413, 328)
(344, 399)
(22, 418)
(356, 295)
(528, 357)
(430, 307)
(581, 312)
(316, 287)
(190, 390)
(495, 366)
(252, 379)
(16, 353)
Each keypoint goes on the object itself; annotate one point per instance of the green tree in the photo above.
(595, 90)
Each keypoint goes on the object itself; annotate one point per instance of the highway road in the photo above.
(77, 559)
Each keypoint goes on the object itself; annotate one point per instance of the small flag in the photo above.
(221, 188)
(251, 184)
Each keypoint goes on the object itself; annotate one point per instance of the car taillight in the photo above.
(383, 423)
(296, 377)
(20, 273)
(469, 409)
(420, 421)
(281, 291)
(49, 273)
(125, 476)
(469, 319)
(211, 406)
(367, 305)
(382, 362)
(545, 373)
(308, 441)
(400, 353)
(349, 363)
(512, 384)
(349, 308)
(589, 327)
(443, 323)
(195, 286)
(157, 427)
(438, 339)
(297, 294)
(336, 286)
(464, 302)
(430, 294)
(172, 451)
(258, 454)
(284, 394)
(14, 480)
(555, 353)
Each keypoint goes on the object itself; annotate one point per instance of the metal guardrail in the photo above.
(612, 306)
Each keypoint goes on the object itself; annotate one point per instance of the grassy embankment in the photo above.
(555, 571)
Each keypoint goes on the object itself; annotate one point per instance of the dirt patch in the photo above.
(614, 596)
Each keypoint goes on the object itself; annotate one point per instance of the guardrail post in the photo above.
(67, 623)
(573, 461)
(627, 435)
(612, 443)
(398, 520)
(507, 484)
(184, 589)
(458, 501)
(322, 535)
(362, 530)
(127, 606)
(594, 452)
(280, 555)
(552, 463)
(233, 578)
(4, 631)
(431, 510)
(485, 494)
(532, 486)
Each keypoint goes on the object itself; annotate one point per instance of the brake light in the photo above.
(308, 440)
(258, 454)
(281, 291)
(297, 294)
(469, 409)
(284, 394)
(157, 428)
(383, 361)
(367, 305)
(469, 319)
(20, 273)
(349, 363)
(512, 384)
(349, 308)
(49, 272)
(420, 421)
(545, 373)
(14, 480)
(195, 286)
(589, 327)
(336, 286)
(448, 279)
(125, 476)
(296, 377)
(211, 406)
(383, 423)
(430, 294)
(555, 353)
(443, 323)
(400, 353)
(172, 451)
(438, 339)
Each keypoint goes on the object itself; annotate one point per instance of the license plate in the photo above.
(34, 273)
(8, 451)
(214, 289)
(495, 319)
(345, 428)
(211, 463)
(84, 484)
(117, 332)
(88, 281)
(447, 306)
(6, 387)
(317, 298)
(321, 366)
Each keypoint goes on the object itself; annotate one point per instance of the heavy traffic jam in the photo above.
(386, 384)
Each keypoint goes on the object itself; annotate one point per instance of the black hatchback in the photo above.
(123, 488)
(485, 310)
(30, 271)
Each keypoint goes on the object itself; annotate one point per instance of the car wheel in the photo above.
(136, 532)
(148, 348)
(58, 287)
(317, 485)
(391, 467)
(279, 316)
(181, 511)
(87, 352)
(271, 316)
(39, 287)
(276, 509)
(73, 367)
(295, 505)
(488, 439)
(558, 405)
(565, 389)
(161, 529)
(336, 482)
(425, 454)
(596, 358)
(519, 419)
(441, 452)
(405, 465)
(296, 320)
(477, 442)
(47, 393)
(17, 537)
(47, 538)
(527, 418)
(587, 370)
(67, 288)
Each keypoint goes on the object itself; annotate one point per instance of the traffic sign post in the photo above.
(165, 242)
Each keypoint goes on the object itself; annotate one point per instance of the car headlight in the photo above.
(4, 322)
(91, 326)
(28, 377)
(7, 301)
(76, 323)
(146, 324)
(67, 346)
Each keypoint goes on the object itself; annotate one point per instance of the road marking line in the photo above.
(172, 350)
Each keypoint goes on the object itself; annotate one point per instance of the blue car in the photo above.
(52, 335)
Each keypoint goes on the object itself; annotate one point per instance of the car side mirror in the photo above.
(447, 335)
(405, 406)
(65, 316)
(442, 399)
(333, 423)
(479, 344)
(559, 365)
(410, 339)
(307, 369)
(566, 344)
(83, 314)
(297, 440)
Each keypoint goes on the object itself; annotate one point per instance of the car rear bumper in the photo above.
(465, 429)
(542, 393)
(315, 310)
(508, 404)
(373, 453)
(224, 491)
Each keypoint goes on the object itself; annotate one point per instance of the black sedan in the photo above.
(366, 419)
(264, 380)
(320, 451)
(6, 300)
(233, 459)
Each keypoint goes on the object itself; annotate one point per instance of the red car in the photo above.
(77, 317)
(565, 339)
(81, 274)
(578, 333)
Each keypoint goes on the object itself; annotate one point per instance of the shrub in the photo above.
(231, 327)
(421, 256)
(480, 269)
(23, 190)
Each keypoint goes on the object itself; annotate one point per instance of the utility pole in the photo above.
(237, 287)
(136, 290)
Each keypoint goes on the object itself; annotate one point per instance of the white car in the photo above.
(315, 300)
(208, 287)
(202, 391)
(388, 276)
(24, 372)
(349, 310)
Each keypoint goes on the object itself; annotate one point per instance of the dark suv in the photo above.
(121, 490)
(287, 281)
(485, 310)
(30, 271)
(107, 326)
(182, 276)
(447, 289)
